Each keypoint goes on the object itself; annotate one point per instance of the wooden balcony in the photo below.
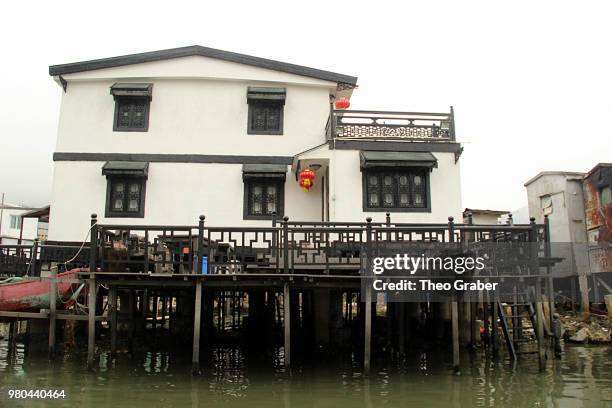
(384, 125)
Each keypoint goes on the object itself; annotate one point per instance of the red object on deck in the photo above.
(29, 296)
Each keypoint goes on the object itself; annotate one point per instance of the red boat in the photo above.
(18, 295)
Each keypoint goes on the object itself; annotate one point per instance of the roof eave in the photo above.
(197, 50)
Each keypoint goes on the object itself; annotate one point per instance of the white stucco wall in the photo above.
(191, 116)
(176, 194)
(346, 191)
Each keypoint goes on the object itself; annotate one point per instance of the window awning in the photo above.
(268, 171)
(370, 159)
(125, 168)
(125, 89)
(266, 94)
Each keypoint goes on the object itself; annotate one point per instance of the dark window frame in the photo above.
(425, 172)
(110, 180)
(280, 204)
(255, 103)
(123, 99)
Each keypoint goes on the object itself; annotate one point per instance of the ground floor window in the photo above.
(263, 198)
(403, 189)
(125, 197)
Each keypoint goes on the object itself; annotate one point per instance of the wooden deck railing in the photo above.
(283, 247)
(413, 126)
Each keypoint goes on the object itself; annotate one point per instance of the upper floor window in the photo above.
(126, 187)
(266, 107)
(396, 181)
(132, 102)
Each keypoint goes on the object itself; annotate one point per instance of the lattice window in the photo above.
(125, 197)
(263, 198)
(395, 190)
(132, 114)
(265, 117)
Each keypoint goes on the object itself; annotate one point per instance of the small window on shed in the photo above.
(546, 204)
(605, 195)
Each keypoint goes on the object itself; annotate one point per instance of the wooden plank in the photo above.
(287, 324)
(195, 367)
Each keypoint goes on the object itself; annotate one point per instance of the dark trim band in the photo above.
(172, 158)
(389, 146)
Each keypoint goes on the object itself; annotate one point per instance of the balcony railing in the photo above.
(412, 126)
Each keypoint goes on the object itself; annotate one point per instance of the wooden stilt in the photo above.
(195, 367)
(131, 325)
(154, 312)
(494, 324)
(401, 338)
(455, 330)
(52, 311)
(112, 310)
(91, 334)
(164, 311)
(368, 328)
(287, 324)
(540, 324)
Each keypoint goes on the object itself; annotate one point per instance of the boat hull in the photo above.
(27, 296)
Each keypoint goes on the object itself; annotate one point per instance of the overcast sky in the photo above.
(530, 81)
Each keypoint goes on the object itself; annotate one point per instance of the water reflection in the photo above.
(583, 378)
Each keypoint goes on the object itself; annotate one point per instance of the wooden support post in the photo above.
(401, 338)
(540, 324)
(91, 334)
(131, 325)
(367, 297)
(144, 308)
(368, 329)
(154, 311)
(112, 310)
(164, 311)
(287, 324)
(455, 329)
(52, 310)
(494, 324)
(195, 366)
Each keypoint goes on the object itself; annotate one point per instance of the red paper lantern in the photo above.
(307, 177)
(342, 103)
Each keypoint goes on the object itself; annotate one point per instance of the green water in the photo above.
(583, 378)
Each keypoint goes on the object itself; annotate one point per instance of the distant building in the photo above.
(597, 188)
(485, 217)
(13, 225)
(579, 209)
